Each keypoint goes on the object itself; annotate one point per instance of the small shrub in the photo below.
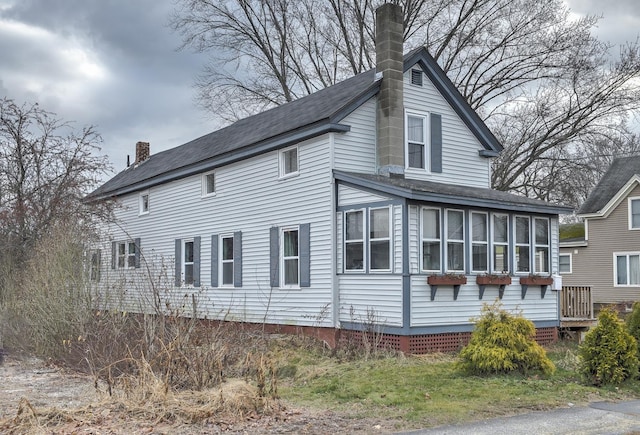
(633, 324)
(609, 354)
(503, 342)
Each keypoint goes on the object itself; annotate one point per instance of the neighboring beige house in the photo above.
(608, 258)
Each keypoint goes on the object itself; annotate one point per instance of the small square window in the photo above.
(289, 162)
(208, 184)
(144, 203)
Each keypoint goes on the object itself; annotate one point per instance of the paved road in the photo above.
(597, 418)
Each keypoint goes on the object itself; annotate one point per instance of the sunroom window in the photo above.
(431, 239)
(479, 242)
(523, 244)
(379, 239)
(455, 240)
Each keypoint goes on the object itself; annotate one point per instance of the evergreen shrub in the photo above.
(633, 324)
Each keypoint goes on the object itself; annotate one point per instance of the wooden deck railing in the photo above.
(576, 302)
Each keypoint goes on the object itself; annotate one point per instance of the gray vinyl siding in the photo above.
(355, 151)
(593, 265)
(363, 296)
(249, 198)
(461, 163)
(351, 196)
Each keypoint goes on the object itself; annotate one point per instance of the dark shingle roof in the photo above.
(618, 174)
(450, 193)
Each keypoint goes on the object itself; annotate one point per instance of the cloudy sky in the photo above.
(114, 64)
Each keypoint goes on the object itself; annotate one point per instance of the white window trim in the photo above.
(463, 240)
(126, 255)
(371, 239)
(615, 268)
(344, 241)
(535, 245)
(427, 144)
(516, 244)
(141, 202)
(281, 165)
(486, 242)
(423, 239)
(222, 261)
(183, 263)
(203, 185)
(494, 243)
(570, 263)
(282, 258)
(630, 215)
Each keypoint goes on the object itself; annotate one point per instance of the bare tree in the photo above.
(540, 80)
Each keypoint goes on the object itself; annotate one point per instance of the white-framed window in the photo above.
(523, 243)
(354, 240)
(541, 262)
(290, 255)
(126, 252)
(289, 161)
(188, 264)
(454, 230)
(208, 184)
(626, 269)
(379, 239)
(143, 203)
(479, 242)
(226, 260)
(416, 147)
(565, 263)
(431, 239)
(500, 242)
(634, 213)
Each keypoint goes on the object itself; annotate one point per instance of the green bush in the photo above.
(609, 354)
(633, 324)
(503, 342)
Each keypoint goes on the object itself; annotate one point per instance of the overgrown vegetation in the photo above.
(633, 324)
(503, 342)
(609, 354)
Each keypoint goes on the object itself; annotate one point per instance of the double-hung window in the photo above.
(627, 269)
(354, 240)
(634, 213)
(208, 184)
(416, 146)
(226, 260)
(143, 203)
(523, 244)
(289, 161)
(479, 242)
(564, 263)
(188, 262)
(541, 258)
(290, 258)
(431, 239)
(126, 254)
(455, 240)
(379, 239)
(500, 238)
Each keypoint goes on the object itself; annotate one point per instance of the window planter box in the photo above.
(452, 279)
(500, 280)
(542, 281)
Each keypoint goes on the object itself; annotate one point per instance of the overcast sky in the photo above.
(114, 64)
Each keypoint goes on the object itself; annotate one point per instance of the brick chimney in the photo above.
(142, 152)
(390, 110)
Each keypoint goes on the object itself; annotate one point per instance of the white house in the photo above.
(331, 212)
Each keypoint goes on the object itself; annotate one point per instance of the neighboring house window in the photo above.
(455, 240)
(208, 184)
(354, 240)
(143, 203)
(523, 243)
(627, 269)
(416, 134)
(431, 239)
(290, 256)
(634, 213)
(94, 265)
(564, 263)
(379, 239)
(541, 251)
(500, 248)
(226, 260)
(187, 262)
(289, 162)
(479, 242)
(125, 254)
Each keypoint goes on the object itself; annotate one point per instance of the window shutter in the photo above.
(274, 256)
(196, 261)
(178, 263)
(99, 261)
(113, 255)
(436, 143)
(237, 259)
(137, 255)
(214, 260)
(305, 255)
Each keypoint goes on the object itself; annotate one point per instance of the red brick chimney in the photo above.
(390, 110)
(142, 152)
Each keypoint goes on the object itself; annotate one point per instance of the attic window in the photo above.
(416, 77)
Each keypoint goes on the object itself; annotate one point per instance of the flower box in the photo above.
(536, 280)
(450, 279)
(493, 280)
